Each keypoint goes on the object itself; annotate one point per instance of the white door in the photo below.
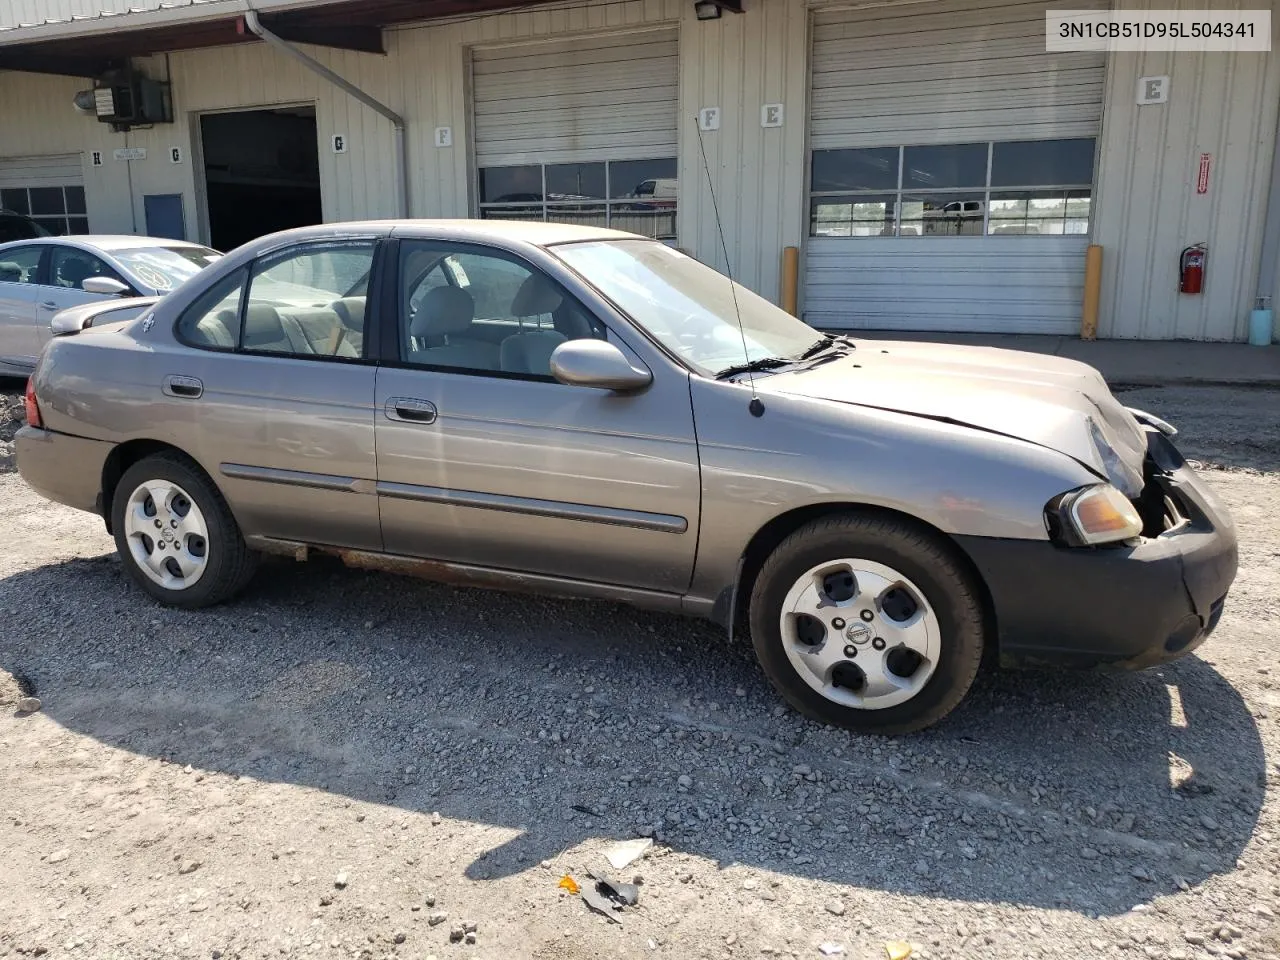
(49, 190)
(63, 284)
(581, 131)
(19, 340)
(951, 170)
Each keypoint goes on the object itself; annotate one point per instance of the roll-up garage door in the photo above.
(49, 190)
(952, 170)
(580, 131)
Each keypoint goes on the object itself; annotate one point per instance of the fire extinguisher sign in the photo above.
(1202, 178)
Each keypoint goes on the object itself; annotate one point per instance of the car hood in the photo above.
(1057, 403)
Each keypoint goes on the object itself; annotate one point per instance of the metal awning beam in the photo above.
(364, 39)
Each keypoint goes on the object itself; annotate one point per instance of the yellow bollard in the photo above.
(1092, 292)
(790, 279)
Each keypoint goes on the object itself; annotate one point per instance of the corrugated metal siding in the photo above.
(597, 98)
(738, 63)
(56, 171)
(994, 284)
(946, 73)
(1147, 208)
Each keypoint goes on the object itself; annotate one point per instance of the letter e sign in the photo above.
(1153, 90)
(339, 143)
(771, 115)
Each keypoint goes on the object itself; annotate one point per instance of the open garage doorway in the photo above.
(262, 172)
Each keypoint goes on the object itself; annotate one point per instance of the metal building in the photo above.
(935, 167)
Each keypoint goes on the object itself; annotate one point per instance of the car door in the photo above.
(485, 459)
(19, 272)
(62, 285)
(281, 395)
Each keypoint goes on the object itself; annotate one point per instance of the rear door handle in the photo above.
(188, 388)
(410, 410)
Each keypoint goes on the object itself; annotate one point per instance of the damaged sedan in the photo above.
(581, 412)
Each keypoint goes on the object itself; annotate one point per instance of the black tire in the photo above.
(230, 562)
(920, 555)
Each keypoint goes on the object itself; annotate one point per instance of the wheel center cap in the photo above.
(859, 633)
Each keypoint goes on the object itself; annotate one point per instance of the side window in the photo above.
(485, 312)
(70, 268)
(213, 320)
(309, 301)
(21, 265)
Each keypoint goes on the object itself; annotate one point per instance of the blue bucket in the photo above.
(1260, 328)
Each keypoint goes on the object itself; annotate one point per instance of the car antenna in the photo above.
(756, 406)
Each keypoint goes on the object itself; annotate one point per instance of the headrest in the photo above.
(262, 324)
(10, 272)
(350, 311)
(536, 296)
(74, 270)
(444, 311)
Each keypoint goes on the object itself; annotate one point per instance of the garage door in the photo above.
(952, 170)
(50, 190)
(579, 132)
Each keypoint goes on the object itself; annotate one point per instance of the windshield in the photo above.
(687, 306)
(164, 268)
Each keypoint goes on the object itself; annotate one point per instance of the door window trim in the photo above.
(42, 264)
(251, 269)
(392, 345)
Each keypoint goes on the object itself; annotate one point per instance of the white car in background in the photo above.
(42, 276)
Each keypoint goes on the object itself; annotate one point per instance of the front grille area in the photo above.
(1160, 504)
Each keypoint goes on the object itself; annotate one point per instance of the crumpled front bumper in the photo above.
(1133, 606)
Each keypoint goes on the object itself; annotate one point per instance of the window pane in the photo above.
(952, 165)
(78, 225)
(511, 184)
(20, 265)
(575, 181)
(1033, 163)
(942, 215)
(650, 180)
(15, 201)
(872, 169)
(584, 214)
(644, 219)
(75, 199)
(511, 213)
(70, 268)
(57, 226)
(851, 216)
(1043, 212)
(310, 302)
(213, 320)
(47, 200)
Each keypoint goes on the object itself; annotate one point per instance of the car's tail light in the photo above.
(33, 408)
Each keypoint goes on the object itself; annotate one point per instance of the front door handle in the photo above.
(49, 305)
(410, 410)
(187, 388)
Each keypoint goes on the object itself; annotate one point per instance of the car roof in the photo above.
(108, 241)
(480, 231)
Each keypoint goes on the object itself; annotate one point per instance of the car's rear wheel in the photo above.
(868, 622)
(176, 535)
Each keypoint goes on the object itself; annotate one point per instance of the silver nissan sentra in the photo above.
(582, 412)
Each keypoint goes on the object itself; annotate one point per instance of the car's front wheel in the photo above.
(867, 622)
(175, 534)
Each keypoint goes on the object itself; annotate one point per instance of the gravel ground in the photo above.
(349, 764)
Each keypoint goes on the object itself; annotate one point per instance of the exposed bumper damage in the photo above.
(1133, 606)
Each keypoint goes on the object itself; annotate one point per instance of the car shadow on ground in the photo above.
(568, 721)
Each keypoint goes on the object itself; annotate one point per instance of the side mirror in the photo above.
(107, 286)
(596, 363)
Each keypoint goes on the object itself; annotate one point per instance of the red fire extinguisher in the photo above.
(1191, 268)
